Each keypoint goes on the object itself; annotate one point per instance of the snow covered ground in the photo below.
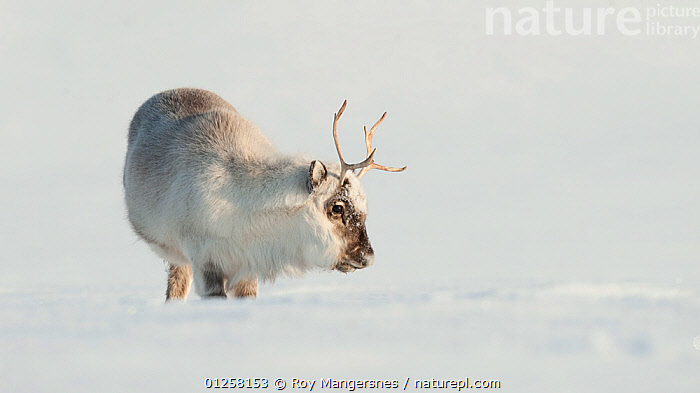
(553, 337)
(545, 234)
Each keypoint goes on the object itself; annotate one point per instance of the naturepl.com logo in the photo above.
(661, 19)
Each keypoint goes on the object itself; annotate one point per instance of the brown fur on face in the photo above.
(350, 224)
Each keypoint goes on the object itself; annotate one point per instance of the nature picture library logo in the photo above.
(556, 18)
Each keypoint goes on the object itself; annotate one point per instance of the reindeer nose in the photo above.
(362, 254)
(369, 260)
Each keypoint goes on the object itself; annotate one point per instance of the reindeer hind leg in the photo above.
(179, 282)
(209, 281)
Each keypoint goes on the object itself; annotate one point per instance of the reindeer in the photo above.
(207, 191)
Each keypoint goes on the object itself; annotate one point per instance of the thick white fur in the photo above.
(217, 192)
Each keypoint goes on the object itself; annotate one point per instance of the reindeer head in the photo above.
(344, 202)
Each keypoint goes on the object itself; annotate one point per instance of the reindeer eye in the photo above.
(337, 209)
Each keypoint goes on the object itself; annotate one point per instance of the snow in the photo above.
(575, 337)
(545, 233)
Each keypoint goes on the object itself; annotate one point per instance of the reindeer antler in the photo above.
(368, 163)
(368, 142)
(344, 166)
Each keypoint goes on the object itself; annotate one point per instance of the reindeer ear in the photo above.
(317, 174)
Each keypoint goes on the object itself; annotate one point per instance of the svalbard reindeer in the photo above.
(210, 194)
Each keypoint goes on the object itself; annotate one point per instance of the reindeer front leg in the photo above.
(245, 289)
